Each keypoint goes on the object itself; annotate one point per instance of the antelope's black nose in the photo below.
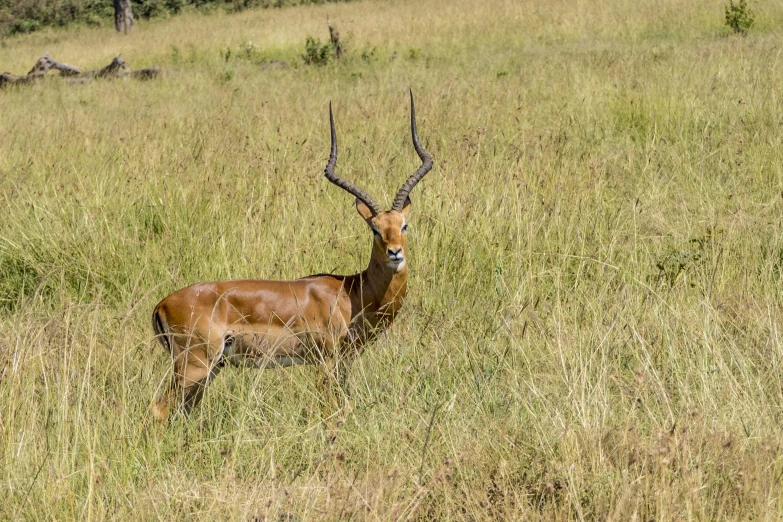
(394, 253)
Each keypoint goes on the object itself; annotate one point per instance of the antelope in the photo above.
(320, 319)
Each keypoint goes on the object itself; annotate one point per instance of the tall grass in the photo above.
(593, 327)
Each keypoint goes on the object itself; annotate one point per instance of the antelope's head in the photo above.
(388, 227)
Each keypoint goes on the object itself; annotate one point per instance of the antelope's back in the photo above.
(315, 303)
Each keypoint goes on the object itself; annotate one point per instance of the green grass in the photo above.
(593, 326)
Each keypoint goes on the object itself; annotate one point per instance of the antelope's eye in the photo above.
(404, 228)
(375, 232)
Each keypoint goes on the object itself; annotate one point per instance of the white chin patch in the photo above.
(397, 265)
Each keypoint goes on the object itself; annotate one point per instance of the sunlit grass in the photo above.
(593, 326)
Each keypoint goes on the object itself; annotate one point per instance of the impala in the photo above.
(319, 319)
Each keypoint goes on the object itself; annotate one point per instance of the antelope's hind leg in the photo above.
(194, 367)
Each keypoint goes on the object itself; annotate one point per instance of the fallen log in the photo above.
(146, 74)
(118, 68)
(44, 64)
(9, 79)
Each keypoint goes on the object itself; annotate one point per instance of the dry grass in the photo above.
(593, 328)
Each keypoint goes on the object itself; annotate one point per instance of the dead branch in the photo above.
(118, 68)
(334, 37)
(41, 66)
(65, 69)
(44, 64)
(9, 79)
(146, 74)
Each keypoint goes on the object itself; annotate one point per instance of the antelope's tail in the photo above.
(159, 327)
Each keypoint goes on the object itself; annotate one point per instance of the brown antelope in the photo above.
(324, 319)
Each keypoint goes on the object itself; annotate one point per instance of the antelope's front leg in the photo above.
(194, 367)
(328, 384)
(333, 384)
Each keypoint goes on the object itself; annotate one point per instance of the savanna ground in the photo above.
(594, 326)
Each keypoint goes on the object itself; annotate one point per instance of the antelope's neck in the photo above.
(380, 291)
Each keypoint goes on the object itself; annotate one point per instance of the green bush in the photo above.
(316, 53)
(24, 16)
(24, 26)
(739, 17)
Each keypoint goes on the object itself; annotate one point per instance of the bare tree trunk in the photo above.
(123, 16)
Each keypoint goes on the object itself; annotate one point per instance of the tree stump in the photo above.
(334, 38)
(123, 16)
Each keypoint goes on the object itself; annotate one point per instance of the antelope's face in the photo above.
(388, 229)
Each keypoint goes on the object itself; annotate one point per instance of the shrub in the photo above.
(316, 53)
(23, 16)
(739, 17)
(24, 26)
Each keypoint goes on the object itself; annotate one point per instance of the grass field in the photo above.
(594, 326)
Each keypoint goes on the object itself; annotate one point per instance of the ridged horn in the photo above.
(340, 182)
(426, 165)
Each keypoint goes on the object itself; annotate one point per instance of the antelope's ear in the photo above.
(363, 210)
(406, 207)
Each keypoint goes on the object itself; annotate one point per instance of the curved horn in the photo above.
(345, 185)
(426, 165)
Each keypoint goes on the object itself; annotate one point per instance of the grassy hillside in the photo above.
(595, 316)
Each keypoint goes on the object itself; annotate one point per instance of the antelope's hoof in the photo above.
(160, 410)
